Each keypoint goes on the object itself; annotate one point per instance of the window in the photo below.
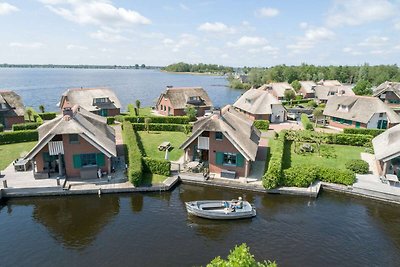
(229, 159)
(88, 159)
(161, 107)
(218, 136)
(194, 98)
(101, 100)
(74, 139)
(380, 115)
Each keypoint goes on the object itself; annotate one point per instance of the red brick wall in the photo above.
(342, 126)
(253, 116)
(113, 112)
(9, 121)
(165, 102)
(82, 147)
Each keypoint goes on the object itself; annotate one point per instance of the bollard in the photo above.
(58, 181)
(5, 183)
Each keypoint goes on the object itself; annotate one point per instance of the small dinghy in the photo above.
(221, 209)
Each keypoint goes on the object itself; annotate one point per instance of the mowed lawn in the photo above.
(152, 140)
(335, 156)
(145, 111)
(11, 152)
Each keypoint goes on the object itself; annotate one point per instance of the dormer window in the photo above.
(100, 100)
(3, 106)
(247, 100)
(343, 108)
(194, 98)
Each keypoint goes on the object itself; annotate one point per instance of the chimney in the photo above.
(67, 111)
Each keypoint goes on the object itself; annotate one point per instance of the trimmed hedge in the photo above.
(272, 178)
(47, 115)
(110, 120)
(163, 127)
(157, 166)
(357, 166)
(306, 122)
(373, 132)
(132, 151)
(25, 126)
(18, 137)
(1, 127)
(261, 124)
(159, 119)
(337, 176)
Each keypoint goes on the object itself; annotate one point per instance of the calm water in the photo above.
(45, 86)
(154, 230)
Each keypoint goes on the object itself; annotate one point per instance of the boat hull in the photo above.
(216, 210)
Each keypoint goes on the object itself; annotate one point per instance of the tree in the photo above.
(41, 108)
(318, 113)
(137, 103)
(362, 87)
(29, 112)
(289, 95)
(147, 122)
(131, 110)
(296, 85)
(191, 112)
(240, 256)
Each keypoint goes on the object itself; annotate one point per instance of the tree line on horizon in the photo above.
(198, 68)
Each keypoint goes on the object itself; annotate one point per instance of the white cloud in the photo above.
(76, 47)
(167, 41)
(311, 36)
(357, 12)
(33, 45)
(101, 13)
(351, 51)
(270, 50)
(374, 41)
(246, 41)
(303, 25)
(6, 8)
(185, 40)
(216, 27)
(267, 12)
(108, 36)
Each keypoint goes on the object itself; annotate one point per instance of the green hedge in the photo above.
(157, 166)
(47, 115)
(373, 132)
(357, 166)
(134, 157)
(1, 128)
(18, 137)
(159, 119)
(306, 122)
(110, 120)
(272, 178)
(337, 176)
(261, 124)
(25, 126)
(163, 127)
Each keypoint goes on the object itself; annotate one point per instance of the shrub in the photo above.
(159, 119)
(25, 126)
(311, 104)
(18, 137)
(261, 124)
(357, 166)
(373, 132)
(47, 115)
(163, 127)
(1, 127)
(333, 175)
(132, 151)
(273, 175)
(157, 166)
(119, 118)
(306, 122)
(110, 120)
(300, 176)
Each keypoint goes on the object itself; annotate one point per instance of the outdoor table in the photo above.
(164, 145)
(21, 165)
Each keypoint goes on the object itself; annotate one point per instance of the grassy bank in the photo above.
(13, 151)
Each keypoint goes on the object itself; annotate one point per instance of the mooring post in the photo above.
(5, 184)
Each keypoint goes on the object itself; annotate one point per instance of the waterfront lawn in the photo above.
(334, 156)
(152, 140)
(152, 179)
(13, 151)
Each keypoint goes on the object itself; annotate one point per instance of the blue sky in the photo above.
(234, 33)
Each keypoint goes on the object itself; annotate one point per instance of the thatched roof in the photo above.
(13, 103)
(387, 87)
(308, 86)
(278, 88)
(237, 128)
(387, 144)
(180, 97)
(323, 92)
(84, 97)
(256, 101)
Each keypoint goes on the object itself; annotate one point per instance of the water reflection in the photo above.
(75, 221)
(137, 202)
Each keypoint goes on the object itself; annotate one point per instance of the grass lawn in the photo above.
(146, 111)
(13, 151)
(332, 156)
(151, 179)
(152, 140)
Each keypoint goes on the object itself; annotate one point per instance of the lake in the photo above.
(154, 229)
(45, 86)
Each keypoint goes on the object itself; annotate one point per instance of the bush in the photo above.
(261, 124)
(133, 155)
(311, 104)
(110, 120)
(47, 115)
(163, 127)
(159, 119)
(306, 122)
(157, 166)
(300, 176)
(337, 176)
(1, 128)
(18, 137)
(357, 166)
(373, 132)
(272, 178)
(25, 126)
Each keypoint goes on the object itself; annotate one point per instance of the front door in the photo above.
(104, 112)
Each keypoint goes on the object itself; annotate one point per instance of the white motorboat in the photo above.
(221, 209)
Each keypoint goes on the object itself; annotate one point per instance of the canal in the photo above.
(153, 229)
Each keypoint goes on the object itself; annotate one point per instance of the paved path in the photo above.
(119, 141)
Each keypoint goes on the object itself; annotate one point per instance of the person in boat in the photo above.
(239, 203)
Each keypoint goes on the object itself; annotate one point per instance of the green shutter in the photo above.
(100, 159)
(77, 161)
(239, 160)
(46, 156)
(219, 159)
